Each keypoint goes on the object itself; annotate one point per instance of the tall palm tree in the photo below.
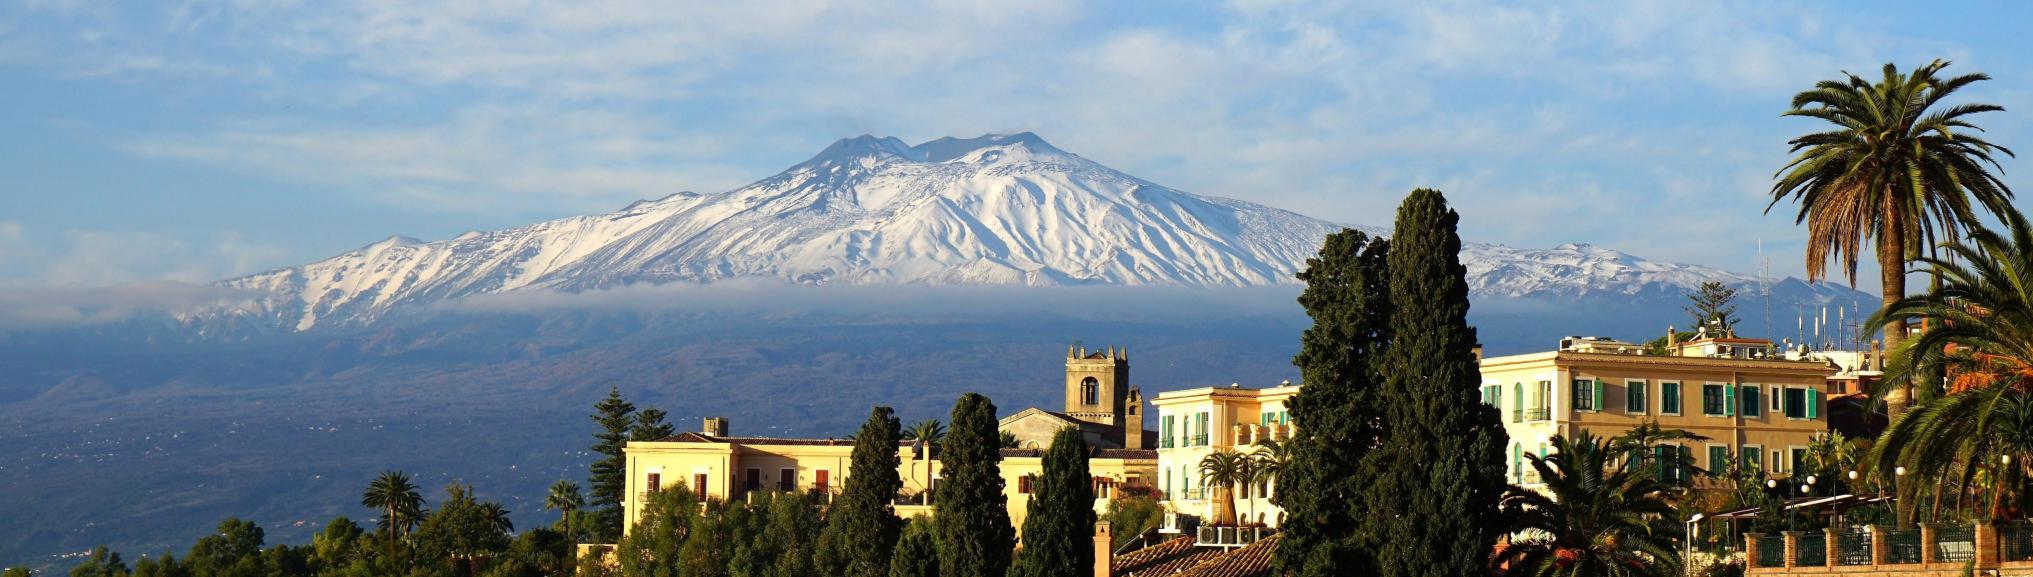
(397, 497)
(1592, 519)
(1894, 170)
(565, 499)
(1222, 470)
(1271, 456)
(1979, 319)
(925, 436)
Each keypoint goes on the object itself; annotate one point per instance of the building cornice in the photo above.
(1709, 363)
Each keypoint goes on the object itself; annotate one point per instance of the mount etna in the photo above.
(876, 272)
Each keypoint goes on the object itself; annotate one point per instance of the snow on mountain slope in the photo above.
(997, 209)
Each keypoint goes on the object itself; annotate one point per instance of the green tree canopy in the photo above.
(861, 527)
(609, 479)
(975, 536)
(1059, 528)
(1338, 414)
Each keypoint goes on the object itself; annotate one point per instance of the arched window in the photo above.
(1090, 391)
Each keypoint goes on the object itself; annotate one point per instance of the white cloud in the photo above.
(88, 258)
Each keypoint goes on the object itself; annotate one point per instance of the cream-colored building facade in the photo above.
(718, 465)
(1752, 402)
(1194, 423)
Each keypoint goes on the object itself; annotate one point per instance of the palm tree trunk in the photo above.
(1898, 396)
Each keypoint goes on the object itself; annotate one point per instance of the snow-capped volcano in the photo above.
(997, 209)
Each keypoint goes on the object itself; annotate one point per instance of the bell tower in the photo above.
(1098, 389)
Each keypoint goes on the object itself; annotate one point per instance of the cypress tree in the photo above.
(861, 527)
(1336, 414)
(609, 479)
(974, 534)
(1438, 470)
(916, 556)
(1058, 531)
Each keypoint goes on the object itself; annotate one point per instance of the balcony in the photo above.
(1539, 414)
(1230, 536)
(1199, 440)
(1166, 442)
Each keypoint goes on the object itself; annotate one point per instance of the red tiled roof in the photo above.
(1253, 560)
(691, 437)
(1161, 559)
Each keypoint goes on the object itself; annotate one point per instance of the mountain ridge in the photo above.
(1007, 209)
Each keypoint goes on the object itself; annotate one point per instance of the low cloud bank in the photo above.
(774, 297)
(59, 307)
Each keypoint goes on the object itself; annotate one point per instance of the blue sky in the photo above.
(193, 141)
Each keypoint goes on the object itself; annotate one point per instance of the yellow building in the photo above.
(1194, 423)
(1752, 402)
(718, 465)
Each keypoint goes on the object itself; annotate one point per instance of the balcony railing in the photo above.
(1231, 536)
(1539, 414)
(1165, 442)
(1199, 440)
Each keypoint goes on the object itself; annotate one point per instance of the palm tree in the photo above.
(1592, 518)
(1890, 171)
(393, 493)
(1270, 459)
(1007, 439)
(1979, 319)
(564, 498)
(1223, 470)
(926, 435)
(1650, 438)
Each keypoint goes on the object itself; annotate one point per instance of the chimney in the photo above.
(1672, 340)
(1104, 550)
(714, 427)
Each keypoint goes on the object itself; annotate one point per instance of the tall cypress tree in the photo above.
(1058, 531)
(975, 537)
(609, 479)
(1336, 414)
(862, 526)
(1438, 469)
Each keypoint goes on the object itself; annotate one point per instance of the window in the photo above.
(1778, 396)
(1718, 460)
(1634, 397)
(822, 481)
(1165, 438)
(1669, 398)
(1517, 462)
(1090, 391)
(699, 484)
(1796, 403)
(1545, 395)
(1024, 485)
(1496, 396)
(1200, 434)
(1753, 454)
(754, 481)
(1799, 457)
(1517, 402)
(1587, 395)
(787, 480)
(655, 482)
(1778, 465)
(1712, 402)
(1752, 405)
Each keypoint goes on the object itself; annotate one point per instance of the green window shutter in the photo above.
(1517, 396)
(1813, 403)
(1729, 400)
(1680, 470)
(1598, 395)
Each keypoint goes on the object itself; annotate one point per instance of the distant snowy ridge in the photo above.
(997, 209)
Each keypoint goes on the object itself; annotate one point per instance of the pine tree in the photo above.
(1710, 303)
(609, 479)
(861, 527)
(1336, 414)
(1438, 473)
(1059, 529)
(650, 426)
(974, 533)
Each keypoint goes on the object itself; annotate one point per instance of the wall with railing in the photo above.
(1931, 549)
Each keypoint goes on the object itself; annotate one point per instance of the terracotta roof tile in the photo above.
(1161, 559)
(1253, 560)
